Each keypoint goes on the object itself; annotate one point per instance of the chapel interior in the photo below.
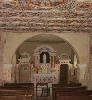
(45, 49)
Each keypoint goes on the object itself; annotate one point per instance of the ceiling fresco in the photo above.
(46, 15)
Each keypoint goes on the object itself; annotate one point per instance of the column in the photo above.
(37, 60)
(81, 73)
(1, 56)
(54, 61)
(51, 61)
(34, 61)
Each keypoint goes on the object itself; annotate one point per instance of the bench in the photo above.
(19, 84)
(17, 88)
(73, 93)
(86, 97)
(16, 97)
(55, 89)
(13, 89)
(67, 85)
(64, 85)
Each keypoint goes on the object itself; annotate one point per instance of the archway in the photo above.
(44, 49)
(63, 36)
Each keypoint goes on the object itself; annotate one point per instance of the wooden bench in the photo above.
(15, 87)
(19, 89)
(67, 85)
(64, 85)
(16, 93)
(86, 97)
(55, 89)
(16, 97)
(19, 84)
(74, 93)
(79, 92)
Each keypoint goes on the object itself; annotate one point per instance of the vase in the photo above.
(37, 71)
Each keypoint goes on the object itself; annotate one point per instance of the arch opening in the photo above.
(60, 45)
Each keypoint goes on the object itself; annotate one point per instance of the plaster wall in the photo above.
(1, 55)
(30, 46)
(79, 42)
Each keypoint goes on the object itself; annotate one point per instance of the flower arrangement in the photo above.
(37, 68)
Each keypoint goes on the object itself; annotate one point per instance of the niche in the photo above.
(47, 57)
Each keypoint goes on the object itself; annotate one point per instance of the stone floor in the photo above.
(44, 98)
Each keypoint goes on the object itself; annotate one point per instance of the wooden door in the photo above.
(24, 73)
(63, 74)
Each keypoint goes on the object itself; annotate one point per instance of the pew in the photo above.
(16, 89)
(67, 85)
(86, 97)
(17, 92)
(10, 93)
(16, 97)
(64, 85)
(55, 89)
(73, 93)
(7, 88)
(19, 84)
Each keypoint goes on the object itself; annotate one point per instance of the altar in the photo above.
(44, 65)
(44, 78)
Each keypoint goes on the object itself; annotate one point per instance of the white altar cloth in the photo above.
(44, 78)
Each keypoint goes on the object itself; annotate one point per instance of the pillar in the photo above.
(51, 61)
(7, 73)
(2, 41)
(81, 73)
(54, 61)
(35, 60)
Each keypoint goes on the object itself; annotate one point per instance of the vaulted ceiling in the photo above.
(46, 15)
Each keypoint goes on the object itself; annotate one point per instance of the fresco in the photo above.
(46, 16)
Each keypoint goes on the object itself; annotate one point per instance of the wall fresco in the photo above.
(42, 16)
